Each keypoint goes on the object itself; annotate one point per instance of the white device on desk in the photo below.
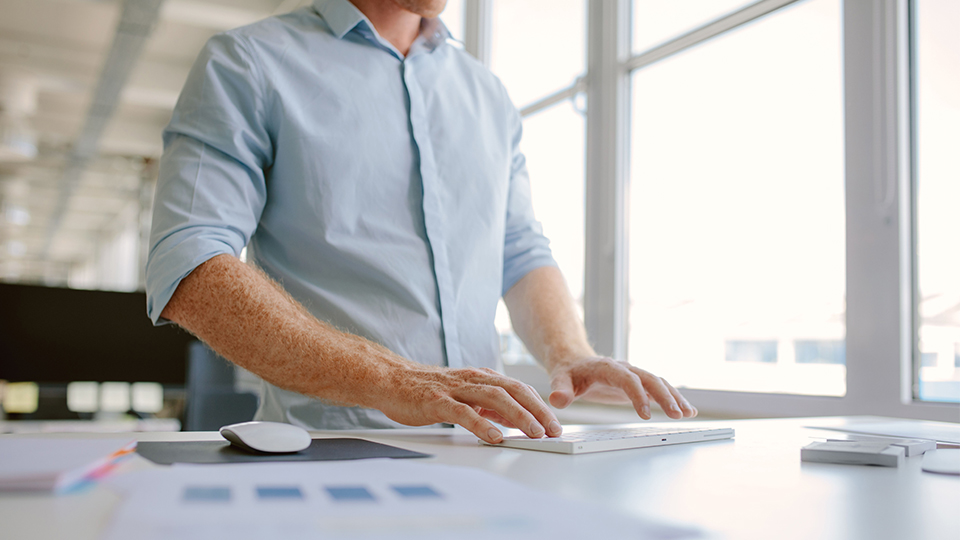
(615, 439)
(269, 437)
(854, 453)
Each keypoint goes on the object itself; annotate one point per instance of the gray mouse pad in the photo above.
(169, 452)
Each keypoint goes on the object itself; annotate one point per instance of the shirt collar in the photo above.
(342, 17)
(434, 32)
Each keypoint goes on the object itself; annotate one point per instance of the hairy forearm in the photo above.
(545, 318)
(250, 320)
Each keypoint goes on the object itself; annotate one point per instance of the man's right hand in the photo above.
(422, 395)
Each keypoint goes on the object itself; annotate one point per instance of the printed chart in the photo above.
(356, 500)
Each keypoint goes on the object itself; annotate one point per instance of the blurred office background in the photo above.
(715, 245)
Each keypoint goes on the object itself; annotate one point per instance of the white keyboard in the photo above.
(584, 442)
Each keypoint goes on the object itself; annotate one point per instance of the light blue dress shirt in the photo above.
(387, 194)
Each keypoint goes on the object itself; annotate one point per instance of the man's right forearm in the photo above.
(250, 320)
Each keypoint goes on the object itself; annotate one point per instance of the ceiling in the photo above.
(86, 87)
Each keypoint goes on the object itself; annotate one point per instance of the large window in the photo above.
(737, 209)
(938, 197)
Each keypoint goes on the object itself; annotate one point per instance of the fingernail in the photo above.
(555, 428)
(536, 429)
(645, 411)
(494, 434)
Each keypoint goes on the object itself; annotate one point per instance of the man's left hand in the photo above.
(605, 380)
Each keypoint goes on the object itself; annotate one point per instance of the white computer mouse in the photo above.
(270, 437)
(943, 461)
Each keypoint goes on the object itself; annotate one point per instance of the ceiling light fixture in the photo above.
(16, 248)
(18, 142)
(16, 215)
(18, 101)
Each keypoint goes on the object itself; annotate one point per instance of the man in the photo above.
(374, 171)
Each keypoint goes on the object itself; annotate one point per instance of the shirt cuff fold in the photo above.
(174, 258)
(515, 273)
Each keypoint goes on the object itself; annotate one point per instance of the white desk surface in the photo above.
(752, 487)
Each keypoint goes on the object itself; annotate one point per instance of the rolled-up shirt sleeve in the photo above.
(525, 247)
(211, 188)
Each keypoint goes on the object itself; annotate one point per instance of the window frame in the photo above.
(880, 188)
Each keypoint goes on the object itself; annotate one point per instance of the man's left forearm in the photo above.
(545, 318)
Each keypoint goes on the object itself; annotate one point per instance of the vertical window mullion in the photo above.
(605, 295)
(879, 280)
(909, 283)
(478, 29)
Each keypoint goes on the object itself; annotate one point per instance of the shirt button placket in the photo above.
(433, 215)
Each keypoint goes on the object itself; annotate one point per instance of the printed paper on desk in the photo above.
(362, 499)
